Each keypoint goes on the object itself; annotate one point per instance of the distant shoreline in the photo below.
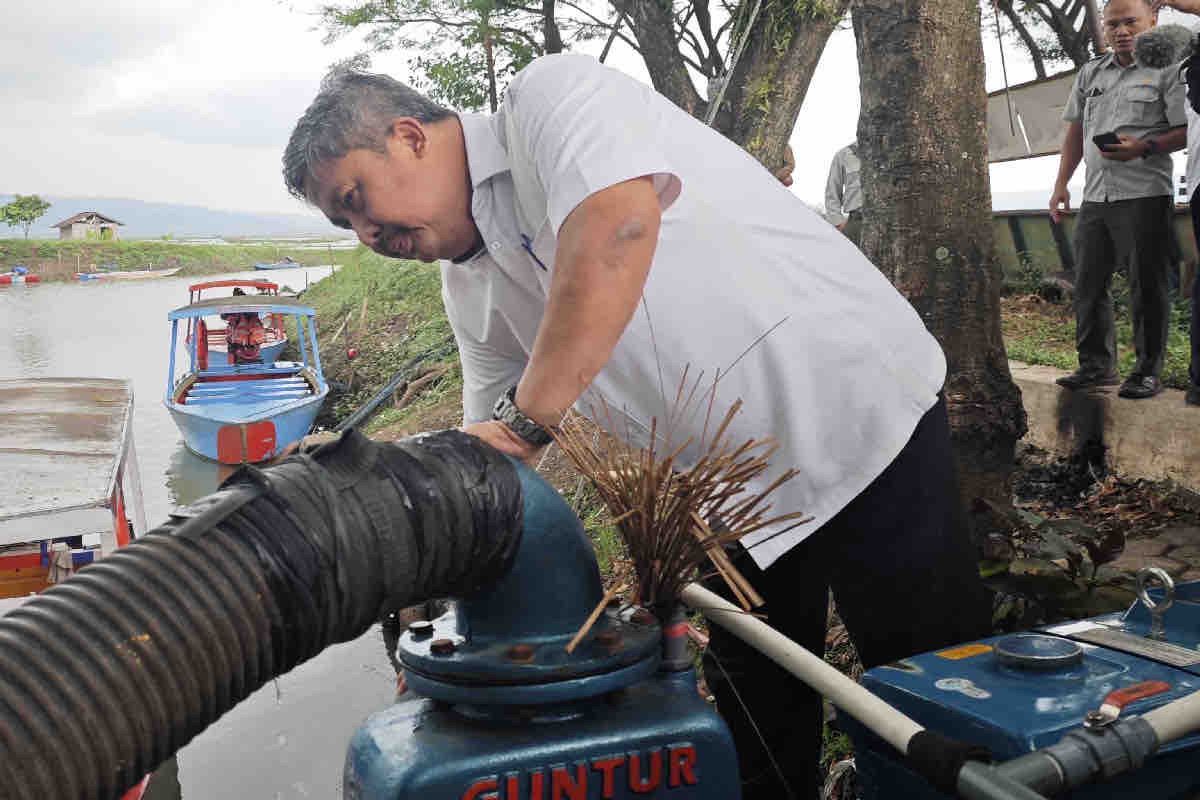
(58, 260)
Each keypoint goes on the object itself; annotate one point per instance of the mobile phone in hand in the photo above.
(1106, 140)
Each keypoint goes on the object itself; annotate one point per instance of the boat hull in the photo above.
(11, 279)
(249, 437)
(127, 275)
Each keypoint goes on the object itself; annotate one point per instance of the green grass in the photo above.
(402, 318)
(61, 259)
(1050, 340)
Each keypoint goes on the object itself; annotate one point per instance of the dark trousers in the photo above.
(904, 576)
(1107, 235)
(1194, 329)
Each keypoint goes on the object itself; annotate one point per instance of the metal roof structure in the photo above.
(86, 216)
(62, 442)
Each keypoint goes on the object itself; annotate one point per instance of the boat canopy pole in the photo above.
(302, 336)
(311, 326)
(171, 357)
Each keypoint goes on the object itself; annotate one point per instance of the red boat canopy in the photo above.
(262, 286)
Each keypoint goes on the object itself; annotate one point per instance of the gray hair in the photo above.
(352, 111)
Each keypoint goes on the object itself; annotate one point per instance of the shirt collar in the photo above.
(1109, 59)
(486, 156)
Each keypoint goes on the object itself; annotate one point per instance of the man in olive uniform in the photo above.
(843, 193)
(1126, 211)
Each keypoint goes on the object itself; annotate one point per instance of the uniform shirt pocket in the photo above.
(1145, 105)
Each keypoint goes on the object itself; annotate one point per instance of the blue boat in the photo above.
(248, 411)
(287, 262)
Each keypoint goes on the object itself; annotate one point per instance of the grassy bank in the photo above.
(1038, 332)
(60, 260)
(390, 313)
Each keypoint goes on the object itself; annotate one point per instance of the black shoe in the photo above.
(1139, 387)
(1192, 398)
(1083, 379)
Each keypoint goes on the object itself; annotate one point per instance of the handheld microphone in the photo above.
(1163, 46)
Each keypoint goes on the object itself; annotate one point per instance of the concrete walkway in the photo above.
(1156, 438)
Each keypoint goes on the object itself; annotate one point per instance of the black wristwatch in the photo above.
(1151, 148)
(530, 430)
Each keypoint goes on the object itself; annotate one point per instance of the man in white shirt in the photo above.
(596, 240)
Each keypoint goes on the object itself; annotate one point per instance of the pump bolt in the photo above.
(420, 628)
(442, 647)
(522, 653)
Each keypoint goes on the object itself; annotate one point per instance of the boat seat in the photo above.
(220, 386)
(235, 371)
(248, 397)
(247, 388)
(260, 392)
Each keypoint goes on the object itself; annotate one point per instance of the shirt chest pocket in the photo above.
(1144, 105)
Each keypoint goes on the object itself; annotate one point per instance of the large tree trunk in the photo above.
(922, 138)
(654, 28)
(489, 58)
(768, 84)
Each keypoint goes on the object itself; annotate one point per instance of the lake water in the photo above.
(288, 740)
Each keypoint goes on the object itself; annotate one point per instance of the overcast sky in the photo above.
(191, 101)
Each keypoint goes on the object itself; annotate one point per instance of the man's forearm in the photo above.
(1172, 140)
(605, 248)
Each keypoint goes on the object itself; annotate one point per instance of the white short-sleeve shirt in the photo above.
(841, 380)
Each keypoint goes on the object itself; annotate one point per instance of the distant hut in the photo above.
(88, 225)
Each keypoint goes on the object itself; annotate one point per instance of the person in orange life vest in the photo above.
(244, 335)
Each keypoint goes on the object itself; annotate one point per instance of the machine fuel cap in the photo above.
(1036, 651)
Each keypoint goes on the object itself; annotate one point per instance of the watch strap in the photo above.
(525, 427)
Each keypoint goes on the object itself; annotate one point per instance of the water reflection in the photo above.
(190, 477)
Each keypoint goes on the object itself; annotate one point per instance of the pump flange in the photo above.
(510, 638)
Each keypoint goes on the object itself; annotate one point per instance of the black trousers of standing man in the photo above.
(904, 576)
(1137, 233)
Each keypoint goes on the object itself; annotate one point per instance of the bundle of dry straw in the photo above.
(673, 520)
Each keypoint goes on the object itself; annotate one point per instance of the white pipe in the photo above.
(887, 723)
(1176, 719)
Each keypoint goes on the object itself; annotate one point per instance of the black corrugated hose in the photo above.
(108, 674)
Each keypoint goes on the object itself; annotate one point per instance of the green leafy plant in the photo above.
(23, 211)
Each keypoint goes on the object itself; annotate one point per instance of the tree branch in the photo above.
(1026, 37)
(599, 21)
(704, 22)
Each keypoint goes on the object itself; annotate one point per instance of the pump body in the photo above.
(498, 709)
(658, 738)
(979, 692)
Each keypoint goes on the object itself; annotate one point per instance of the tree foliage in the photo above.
(23, 211)
(1052, 32)
(466, 50)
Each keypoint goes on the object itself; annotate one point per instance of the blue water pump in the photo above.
(499, 710)
(1015, 694)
